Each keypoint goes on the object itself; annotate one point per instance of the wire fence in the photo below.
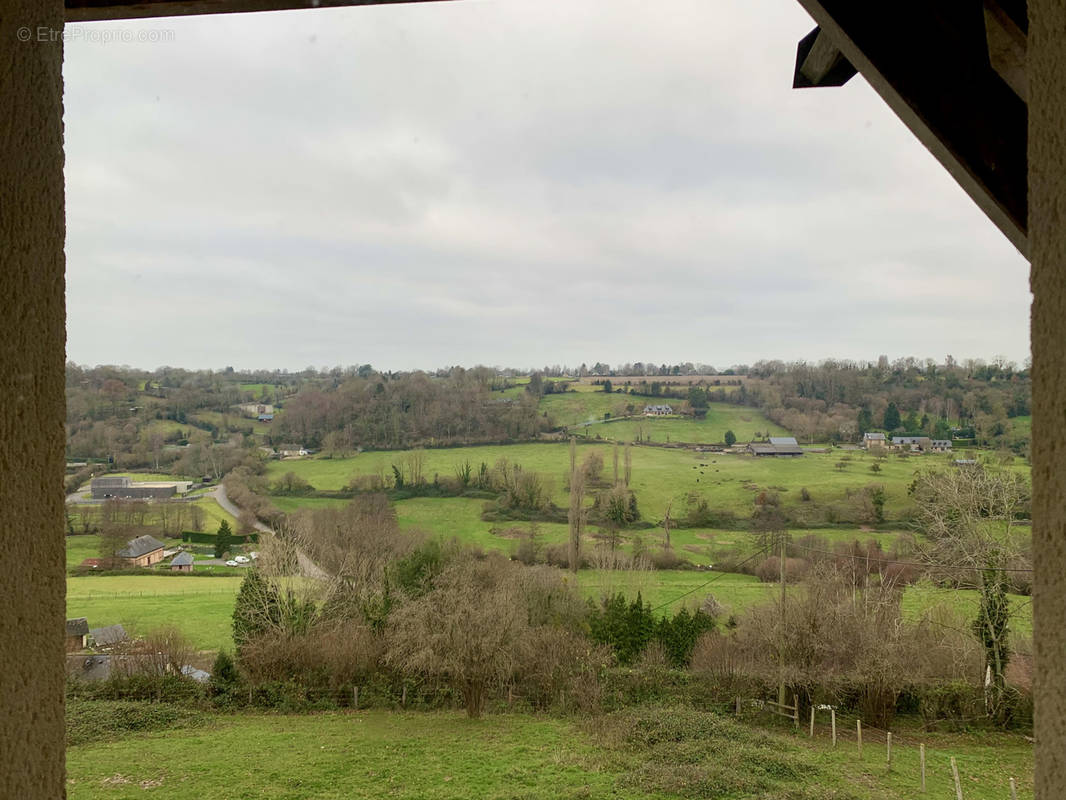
(921, 761)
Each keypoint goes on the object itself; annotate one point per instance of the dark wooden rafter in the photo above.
(931, 63)
(93, 10)
(819, 62)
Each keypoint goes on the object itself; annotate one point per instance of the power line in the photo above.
(712, 580)
(918, 564)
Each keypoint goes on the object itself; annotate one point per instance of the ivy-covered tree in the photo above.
(257, 608)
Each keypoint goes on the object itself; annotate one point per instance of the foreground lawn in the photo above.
(374, 754)
(642, 753)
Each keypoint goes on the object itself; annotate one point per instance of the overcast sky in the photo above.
(509, 182)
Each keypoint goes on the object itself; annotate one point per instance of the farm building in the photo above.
(125, 488)
(941, 445)
(777, 446)
(142, 551)
(256, 409)
(108, 636)
(873, 440)
(182, 562)
(292, 450)
(657, 411)
(916, 444)
(77, 632)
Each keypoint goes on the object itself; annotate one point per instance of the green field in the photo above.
(746, 423)
(214, 515)
(235, 421)
(201, 607)
(1021, 427)
(443, 756)
(460, 518)
(660, 475)
(80, 548)
(587, 409)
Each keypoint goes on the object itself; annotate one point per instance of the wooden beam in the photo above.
(1007, 46)
(930, 63)
(819, 62)
(94, 10)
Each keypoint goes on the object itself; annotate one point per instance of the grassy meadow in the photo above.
(660, 475)
(201, 607)
(746, 423)
(646, 753)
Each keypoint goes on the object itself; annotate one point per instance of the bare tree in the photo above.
(469, 629)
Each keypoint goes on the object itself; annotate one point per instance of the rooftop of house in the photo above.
(108, 481)
(141, 546)
(108, 635)
(77, 627)
(784, 440)
(182, 560)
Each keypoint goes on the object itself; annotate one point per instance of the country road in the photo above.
(308, 568)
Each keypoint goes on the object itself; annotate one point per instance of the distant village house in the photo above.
(873, 440)
(182, 562)
(142, 551)
(257, 409)
(916, 444)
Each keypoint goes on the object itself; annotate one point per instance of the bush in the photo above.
(101, 720)
(769, 571)
(668, 559)
(697, 754)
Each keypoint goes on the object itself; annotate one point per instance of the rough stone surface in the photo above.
(1047, 232)
(32, 582)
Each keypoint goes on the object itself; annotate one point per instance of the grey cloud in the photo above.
(511, 183)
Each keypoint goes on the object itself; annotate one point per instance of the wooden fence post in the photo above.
(812, 722)
(921, 760)
(833, 722)
(858, 733)
(1013, 789)
(403, 696)
(888, 749)
(355, 697)
(738, 706)
(955, 775)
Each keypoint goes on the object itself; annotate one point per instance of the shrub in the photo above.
(101, 720)
(769, 571)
